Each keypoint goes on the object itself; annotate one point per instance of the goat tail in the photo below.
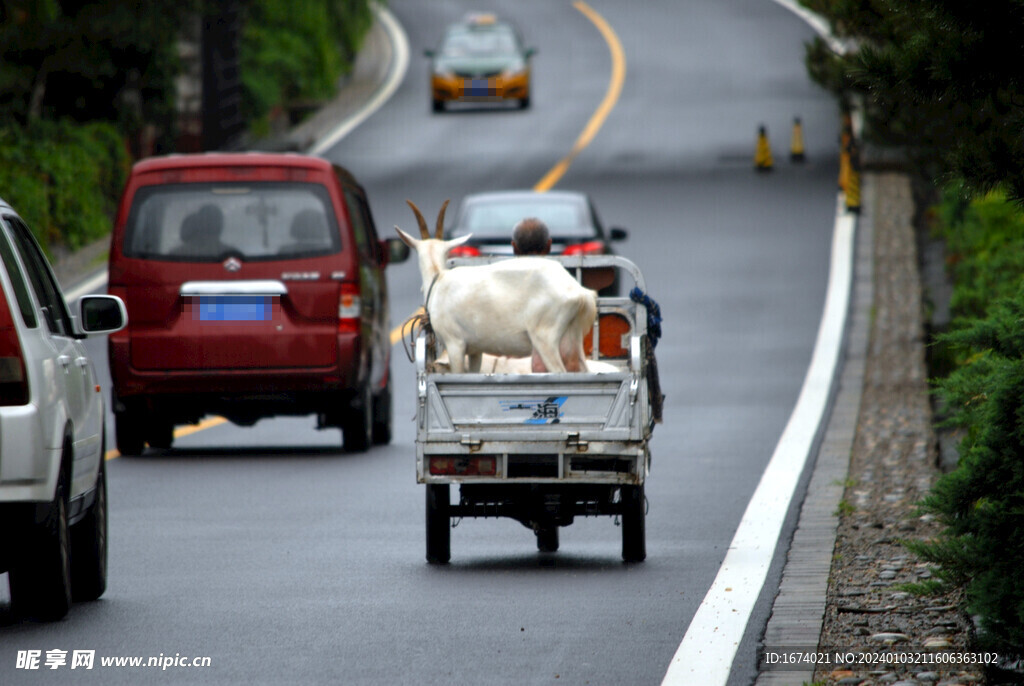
(582, 321)
(586, 315)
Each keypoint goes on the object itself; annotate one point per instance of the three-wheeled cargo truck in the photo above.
(544, 448)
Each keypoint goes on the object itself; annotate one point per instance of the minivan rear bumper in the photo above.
(130, 381)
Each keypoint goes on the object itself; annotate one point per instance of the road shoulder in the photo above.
(843, 587)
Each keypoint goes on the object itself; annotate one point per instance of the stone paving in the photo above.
(892, 466)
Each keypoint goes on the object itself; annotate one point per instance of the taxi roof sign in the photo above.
(481, 18)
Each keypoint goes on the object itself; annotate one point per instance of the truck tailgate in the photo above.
(529, 407)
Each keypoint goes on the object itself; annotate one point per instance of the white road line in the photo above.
(400, 64)
(93, 283)
(820, 25)
(709, 647)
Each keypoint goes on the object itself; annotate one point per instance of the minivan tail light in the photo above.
(13, 379)
(349, 308)
(588, 248)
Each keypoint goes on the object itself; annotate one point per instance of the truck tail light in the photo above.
(464, 466)
(588, 248)
(349, 308)
(13, 379)
(464, 251)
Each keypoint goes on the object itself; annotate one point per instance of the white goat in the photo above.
(491, 364)
(513, 307)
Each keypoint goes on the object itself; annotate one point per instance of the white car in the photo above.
(53, 501)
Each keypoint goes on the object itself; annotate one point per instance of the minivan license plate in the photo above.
(249, 308)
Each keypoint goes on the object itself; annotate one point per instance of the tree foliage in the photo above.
(90, 60)
(64, 179)
(938, 78)
(296, 52)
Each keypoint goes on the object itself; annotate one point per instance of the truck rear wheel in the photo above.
(634, 537)
(439, 532)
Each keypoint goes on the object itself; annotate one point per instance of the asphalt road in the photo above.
(286, 561)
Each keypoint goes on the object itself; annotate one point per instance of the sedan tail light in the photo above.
(349, 308)
(13, 379)
(464, 251)
(588, 248)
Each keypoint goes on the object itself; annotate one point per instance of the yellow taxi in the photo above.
(480, 59)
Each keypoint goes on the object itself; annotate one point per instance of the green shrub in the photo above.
(63, 178)
(981, 502)
(985, 247)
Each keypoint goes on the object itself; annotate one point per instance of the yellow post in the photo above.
(796, 147)
(853, 183)
(845, 137)
(763, 155)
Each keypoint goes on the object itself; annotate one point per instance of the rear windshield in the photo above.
(208, 222)
(496, 219)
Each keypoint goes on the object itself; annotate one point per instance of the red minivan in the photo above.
(255, 287)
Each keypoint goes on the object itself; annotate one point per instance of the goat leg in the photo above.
(549, 355)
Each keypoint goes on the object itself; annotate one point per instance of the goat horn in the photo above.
(440, 220)
(424, 231)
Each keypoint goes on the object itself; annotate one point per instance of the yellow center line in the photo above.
(183, 431)
(618, 77)
(611, 97)
(400, 332)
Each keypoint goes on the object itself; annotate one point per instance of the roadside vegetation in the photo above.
(81, 84)
(294, 53)
(933, 82)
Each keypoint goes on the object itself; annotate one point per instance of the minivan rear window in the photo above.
(208, 222)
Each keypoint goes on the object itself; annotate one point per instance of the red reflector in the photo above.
(588, 248)
(464, 466)
(464, 251)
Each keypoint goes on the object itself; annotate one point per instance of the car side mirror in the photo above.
(396, 250)
(99, 314)
(617, 234)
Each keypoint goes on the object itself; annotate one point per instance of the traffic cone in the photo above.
(763, 155)
(853, 182)
(796, 147)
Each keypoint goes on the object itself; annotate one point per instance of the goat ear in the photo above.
(424, 231)
(440, 220)
(448, 245)
(407, 239)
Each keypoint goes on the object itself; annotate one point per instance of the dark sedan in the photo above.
(569, 215)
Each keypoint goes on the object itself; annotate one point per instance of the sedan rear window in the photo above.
(497, 219)
(207, 222)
